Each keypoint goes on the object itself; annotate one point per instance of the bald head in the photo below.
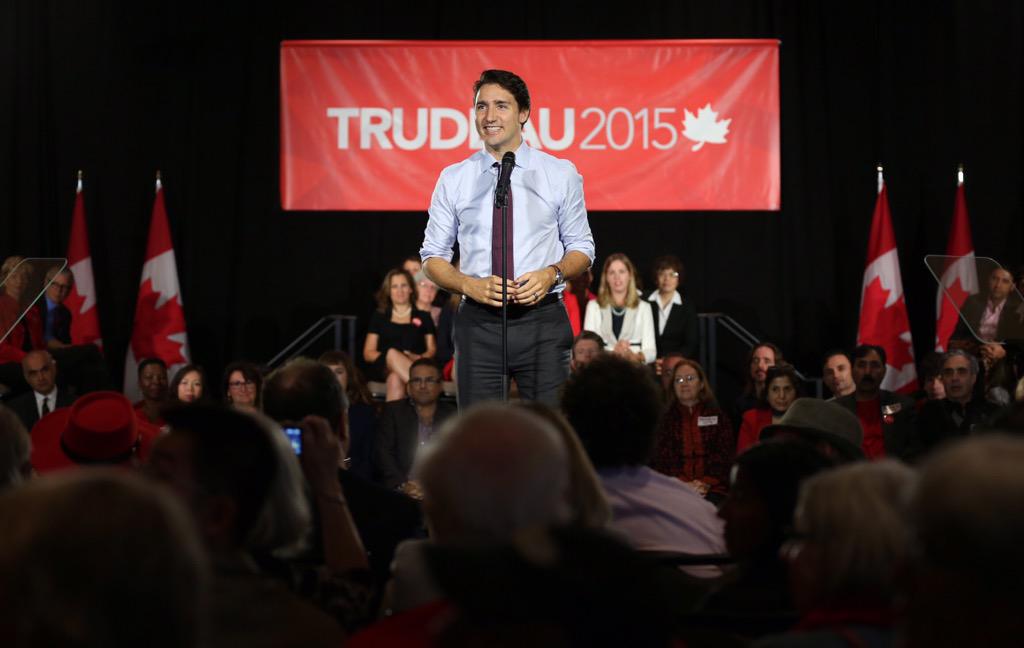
(40, 371)
(492, 473)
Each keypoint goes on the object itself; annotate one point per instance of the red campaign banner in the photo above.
(651, 125)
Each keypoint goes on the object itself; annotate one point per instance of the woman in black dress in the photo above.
(398, 334)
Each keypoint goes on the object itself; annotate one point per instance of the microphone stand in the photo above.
(501, 201)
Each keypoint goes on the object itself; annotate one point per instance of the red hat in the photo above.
(99, 428)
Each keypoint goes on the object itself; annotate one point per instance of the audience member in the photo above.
(398, 334)
(579, 287)
(412, 265)
(782, 388)
(383, 517)
(494, 472)
(15, 450)
(847, 558)
(188, 384)
(836, 375)
(614, 406)
(99, 428)
(616, 315)
(829, 428)
(695, 441)
(242, 386)
(889, 420)
(406, 426)
(362, 411)
(675, 318)
(587, 346)
(754, 599)
(426, 293)
(968, 519)
(665, 368)
(761, 357)
(152, 373)
(238, 477)
(962, 412)
(99, 559)
(55, 315)
(40, 371)
(993, 317)
(587, 502)
(23, 332)
(929, 374)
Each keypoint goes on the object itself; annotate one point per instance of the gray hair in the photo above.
(284, 523)
(960, 353)
(855, 516)
(493, 472)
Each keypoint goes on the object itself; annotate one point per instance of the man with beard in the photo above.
(889, 419)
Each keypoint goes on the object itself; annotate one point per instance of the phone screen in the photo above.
(295, 437)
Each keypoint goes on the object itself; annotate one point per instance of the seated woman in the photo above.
(618, 316)
(675, 318)
(362, 411)
(153, 385)
(188, 384)
(695, 440)
(782, 387)
(426, 293)
(242, 385)
(398, 334)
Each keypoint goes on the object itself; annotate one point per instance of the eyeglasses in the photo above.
(238, 384)
(687, 379)
(424, 381)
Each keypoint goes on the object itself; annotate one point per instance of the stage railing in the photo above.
(343, 327)
(708, 325)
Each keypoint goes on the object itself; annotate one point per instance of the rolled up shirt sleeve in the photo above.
(573, 227)
(442, 225)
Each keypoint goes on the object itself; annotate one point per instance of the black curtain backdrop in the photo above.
(122, 89)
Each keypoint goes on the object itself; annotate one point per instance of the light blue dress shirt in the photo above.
(550, 217)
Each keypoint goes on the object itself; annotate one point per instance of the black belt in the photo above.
(514, 310)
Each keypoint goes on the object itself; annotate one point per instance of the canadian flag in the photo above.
(85, 319)
(159, 329)
(959, 279)
(883, 311)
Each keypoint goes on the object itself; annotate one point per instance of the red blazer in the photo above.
(11, 349)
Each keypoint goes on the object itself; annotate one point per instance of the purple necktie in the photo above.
(496, 240)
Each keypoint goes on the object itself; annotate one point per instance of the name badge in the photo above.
(704, 421)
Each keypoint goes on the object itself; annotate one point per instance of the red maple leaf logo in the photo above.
(155, 326)
(883, 326)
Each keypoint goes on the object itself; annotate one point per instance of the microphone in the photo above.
(508, 162)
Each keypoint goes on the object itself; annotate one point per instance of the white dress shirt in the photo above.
(664, 311)
(51, 399)
(549, 215)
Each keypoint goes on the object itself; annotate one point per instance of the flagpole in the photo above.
(960, 174)
(881, 181)
(78, 185)
(158, 183)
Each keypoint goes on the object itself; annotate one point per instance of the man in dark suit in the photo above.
(55, 315)
(889, 419)
(406, 425)
(40, 371)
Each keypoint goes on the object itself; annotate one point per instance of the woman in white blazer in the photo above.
(624, 322)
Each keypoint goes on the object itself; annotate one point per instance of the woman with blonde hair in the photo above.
(624, 322)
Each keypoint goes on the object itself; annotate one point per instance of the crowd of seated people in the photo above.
(634, 514)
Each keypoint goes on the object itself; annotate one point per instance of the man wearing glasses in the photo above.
(407, 425)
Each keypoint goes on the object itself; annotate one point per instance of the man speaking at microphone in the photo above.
(548, 241)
